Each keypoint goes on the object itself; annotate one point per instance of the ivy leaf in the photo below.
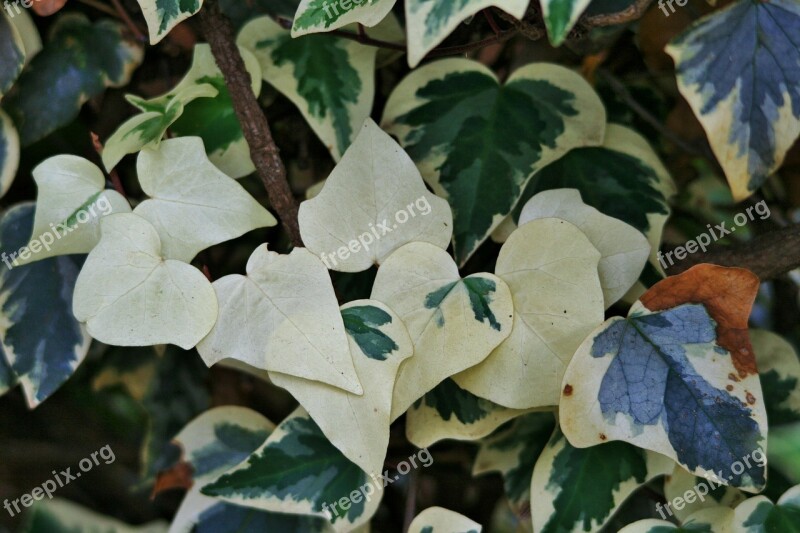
(36, 302)
(71, 202)
(450, 412)
(679, 482)
(560, 17)
(441, 520)
(374, 183)
(127, 281)
(283, 317)
(703, 521)
(314, 16)
(12, 52)
(9, 153)
(163, 15)
(329, 79)
(579, 489)
(359, 425)
(62, 516)
(513, 453)
(748, 102)
(551, 269)
(454, 323)
(430, 22)
(298, 471)
(477, 142)
(779, 371)
(678, 377)
(193, 204)
(623, 249)
(80, 61)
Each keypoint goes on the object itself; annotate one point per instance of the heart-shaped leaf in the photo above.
(129, 294)
(477, 142)
(323, 15)
(193, 205)
(163, 15)
(386, 202)
(678, 377)
(454, 323)
(283, 316)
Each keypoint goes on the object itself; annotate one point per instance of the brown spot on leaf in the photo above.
(733, 377)
(567, 390)
(750, 398)
(603, 436)
(729, 388)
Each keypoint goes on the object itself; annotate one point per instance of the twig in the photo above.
(128, 21)
(265, 154)
(411, 500)
(487, 14)
(113, 174)
(630, 13)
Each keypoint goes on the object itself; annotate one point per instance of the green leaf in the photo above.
(560, 17)
(9, 153)
(748, 102)
(63, 516)
(36, 301)
(441, 520)
(326, 15)
(579, 489)
(80, 61)
(329, 79)
(477, 142)
(163, 15)
(298, 471)
(779, 371)
(759, 514)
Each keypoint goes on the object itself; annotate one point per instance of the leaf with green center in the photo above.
(477, 142)
(380, 189)
(298, 471)
(283, 317)
(431, 21)
(704, 521)
(359, 425)
(550, 266)
(192, 204)
(748, 102)
(80, 61)
(560, 17)
(163, 15)
(779, 370)
(127, 280)
(441, 520)
(574, 489)
(513, 453)
(677, 377)
(325, 15)
(450, 412)
(63, 516)
(329, 79)
(708, 494)
(35, 302)
(759, 514)
(454, 323)
(9, 153)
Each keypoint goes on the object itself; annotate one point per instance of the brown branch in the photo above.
(265, 154)
(768, 256)
(630, 13)
(129, 21)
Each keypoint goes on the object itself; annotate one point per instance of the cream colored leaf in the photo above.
(373, 202)
(283, 316)
(129, 294)
(441, 520)
(706, 492)
(194, 205)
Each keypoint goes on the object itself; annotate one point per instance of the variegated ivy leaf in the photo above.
(748, 102)
(298, 471)
(163, 15)
(35, 302)
(574, 489)
(550, 267)
(450, 412)
(193, 205)
(477, 142)
(9, 153)
(711, 520)
(71, 202)
(441, 520)
(623, 249)
(59, 516)
(513, 453)
(12, 52)
(454, 323)
(623, 179)
(330, 79)
(359, 425)
(80, 60)
(213, 119)
(707, 494)
(779, 371)
(127, 280)
(283, 316)
(560, 16)
(678, 377)
(325, 15)
(430, 22)
(386, 202)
